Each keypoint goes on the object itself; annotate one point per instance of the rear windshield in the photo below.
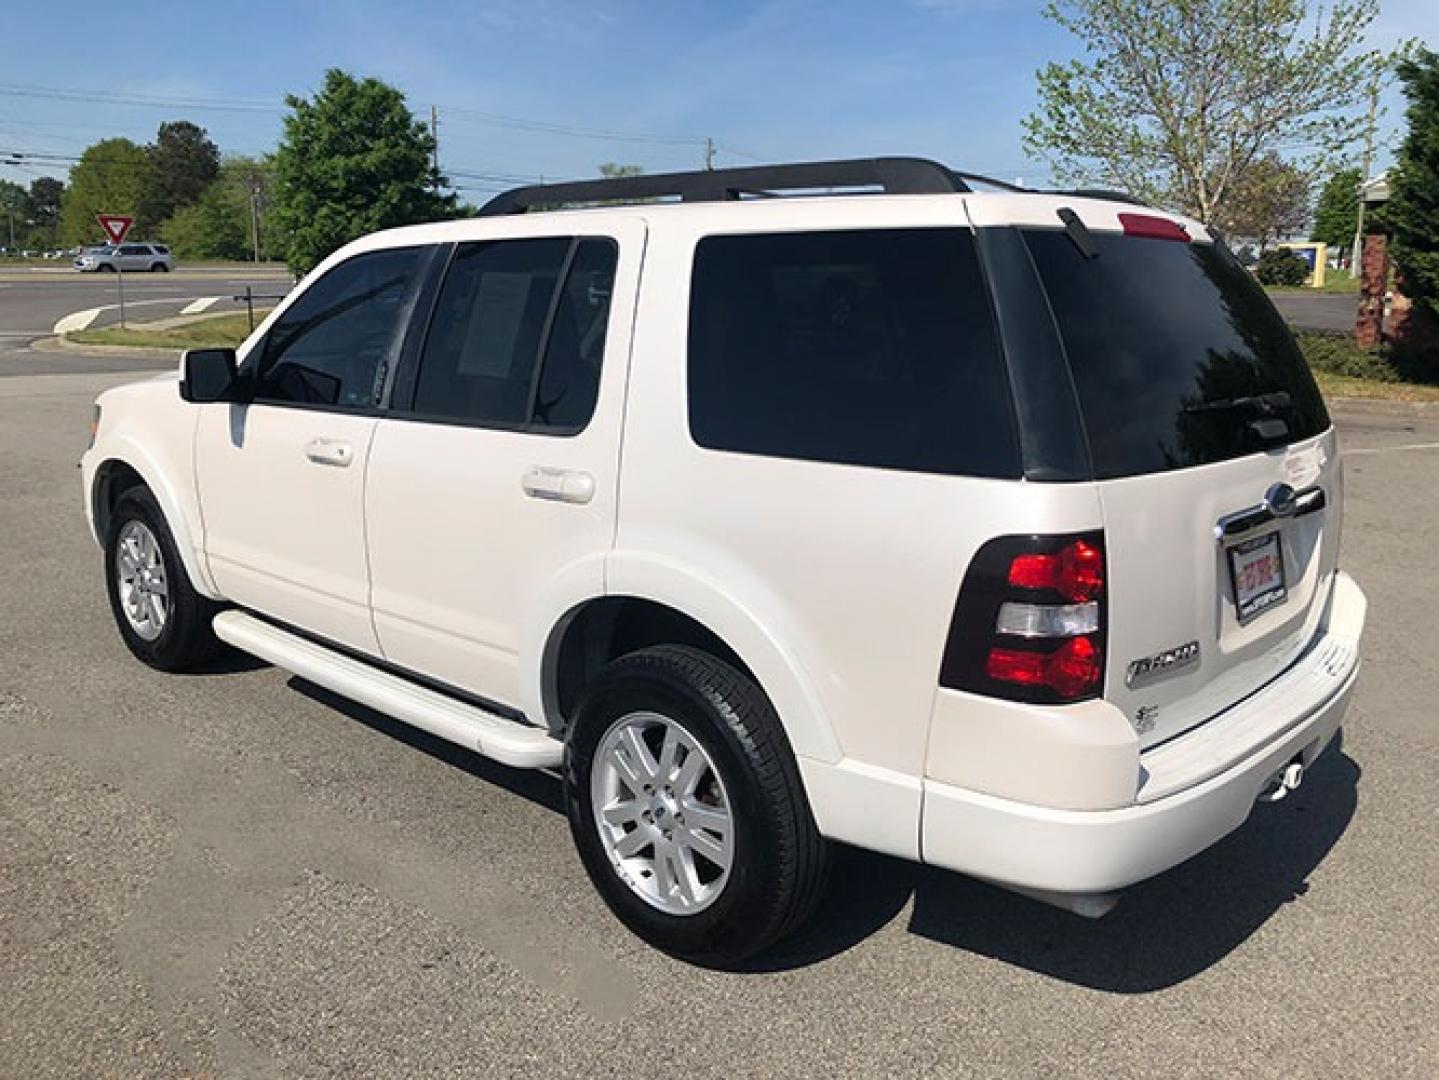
(1177, 354)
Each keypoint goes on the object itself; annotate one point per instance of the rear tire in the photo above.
(159, 268)
(163, 621)
(749, 865)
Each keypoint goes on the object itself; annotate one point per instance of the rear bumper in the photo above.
(1193, 790)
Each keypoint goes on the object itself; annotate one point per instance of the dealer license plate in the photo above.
(1256, 569)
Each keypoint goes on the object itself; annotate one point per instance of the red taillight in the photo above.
(1030, 621)
(1155, 228)
(1076, 572)
(1071, 671)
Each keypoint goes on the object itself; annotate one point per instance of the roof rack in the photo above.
(1102, 193)
(892, 175)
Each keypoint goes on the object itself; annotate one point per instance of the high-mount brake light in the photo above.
(1030, 621)
(1153, 227)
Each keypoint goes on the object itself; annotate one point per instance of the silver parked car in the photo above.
(129, 257)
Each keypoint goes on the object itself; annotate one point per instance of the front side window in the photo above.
(511, 344)
(873, 348)
(335, 343)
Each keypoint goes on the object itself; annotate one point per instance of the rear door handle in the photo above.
(558, 485)
(330, 452)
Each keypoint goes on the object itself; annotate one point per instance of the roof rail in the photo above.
(1102, 193)
(892, 175)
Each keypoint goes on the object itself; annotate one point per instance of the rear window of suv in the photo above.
(874, 347)
(1178, 356)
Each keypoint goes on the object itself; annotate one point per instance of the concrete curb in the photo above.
(59, 344)
(62, 343)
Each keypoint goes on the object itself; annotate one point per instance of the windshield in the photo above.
(1178, 357)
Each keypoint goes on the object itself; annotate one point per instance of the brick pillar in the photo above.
(1374, 279)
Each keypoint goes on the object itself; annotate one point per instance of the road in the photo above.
(33, 301)
(1317, 310)
(238, 874)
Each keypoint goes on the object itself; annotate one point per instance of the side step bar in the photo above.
(506, 741)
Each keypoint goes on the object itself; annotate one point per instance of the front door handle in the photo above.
(330, 452)
(558, 485)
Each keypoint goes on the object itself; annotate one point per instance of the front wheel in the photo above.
(162, 619)
(687, 808)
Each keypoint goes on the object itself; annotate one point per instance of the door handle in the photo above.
(558, 485)
(330, 452)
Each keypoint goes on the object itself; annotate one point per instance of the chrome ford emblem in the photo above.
(1148, 669)
(1281, 501)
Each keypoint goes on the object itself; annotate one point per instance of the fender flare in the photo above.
(672, 583)
(127, 451)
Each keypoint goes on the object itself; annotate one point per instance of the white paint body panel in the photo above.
(459, 551)
(285, 534)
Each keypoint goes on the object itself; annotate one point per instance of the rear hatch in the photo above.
(1214, 459)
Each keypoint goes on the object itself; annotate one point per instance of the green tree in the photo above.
(253, 182)
(1173, 100)
(214, 227)
(613, 170)
(43, 204)
(110, 178)
(184, 162)
(1337, 212)
(1281, 267)
(351, 161)
(1269, 200)
(13, 204)
(1412, 213)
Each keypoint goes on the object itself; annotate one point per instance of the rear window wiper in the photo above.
(1263, 404)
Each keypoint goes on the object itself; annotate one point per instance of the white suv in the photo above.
(997, 530)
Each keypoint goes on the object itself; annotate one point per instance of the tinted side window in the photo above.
(867, 348)
(570, 374)
(334, 344)
(497, 311)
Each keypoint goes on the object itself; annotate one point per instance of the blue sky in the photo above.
(772, 80)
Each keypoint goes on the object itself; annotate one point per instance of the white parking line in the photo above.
(202, 304)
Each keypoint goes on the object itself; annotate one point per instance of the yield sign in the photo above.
(115, 226)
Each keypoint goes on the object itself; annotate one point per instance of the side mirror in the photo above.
(208, 375)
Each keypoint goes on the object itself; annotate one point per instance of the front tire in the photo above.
(687, 808)
(163, 621)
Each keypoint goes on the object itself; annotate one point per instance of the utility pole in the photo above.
(1357, 254)
(255, 219)
(435, 145)
(709, 153)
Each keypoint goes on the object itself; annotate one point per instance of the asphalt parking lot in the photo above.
(236, 874)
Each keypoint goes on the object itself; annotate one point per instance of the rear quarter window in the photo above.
(1165, 342)
(875, 348)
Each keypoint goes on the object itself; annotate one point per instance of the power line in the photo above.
(106, 97)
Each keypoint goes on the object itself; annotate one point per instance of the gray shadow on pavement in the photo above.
(1164, 931)
(539, 787)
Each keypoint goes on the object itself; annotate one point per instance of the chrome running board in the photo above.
(507, 741)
